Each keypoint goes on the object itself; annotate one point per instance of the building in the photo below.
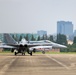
(74, 32)
(70, 42)
(41, 33)
(65, 27)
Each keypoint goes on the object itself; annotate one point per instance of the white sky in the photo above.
(29, 16)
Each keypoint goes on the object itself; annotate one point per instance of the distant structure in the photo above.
(74, 32)
(70, 42)
(41, 33)
(64, 27)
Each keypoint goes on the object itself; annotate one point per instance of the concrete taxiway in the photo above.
(38, 64)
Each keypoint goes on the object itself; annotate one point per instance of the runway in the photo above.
(38, 64)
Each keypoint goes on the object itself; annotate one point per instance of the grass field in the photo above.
(41, 52)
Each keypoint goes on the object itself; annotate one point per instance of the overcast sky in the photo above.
(29, 16)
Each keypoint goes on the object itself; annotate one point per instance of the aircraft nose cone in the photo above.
(62, 46)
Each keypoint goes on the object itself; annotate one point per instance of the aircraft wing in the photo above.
(54, 45)
(6, 46)
(29, 45)
(37, 45)
(49, 43)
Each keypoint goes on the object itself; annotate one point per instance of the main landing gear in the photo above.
(15, 53)
(43, 52)
(30, 53)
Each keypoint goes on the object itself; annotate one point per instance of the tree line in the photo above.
(33, 38)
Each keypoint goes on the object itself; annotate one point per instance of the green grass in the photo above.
(57, 52)
(45, 52)
(6, 52)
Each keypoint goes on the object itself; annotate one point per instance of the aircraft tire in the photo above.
(43, 52)
(24, 53)
(15, 53)
(31, 53)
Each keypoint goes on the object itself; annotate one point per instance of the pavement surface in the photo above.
(38, 64)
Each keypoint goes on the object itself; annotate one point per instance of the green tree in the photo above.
(38, 38)
(74, 41)
(51, 38)
(20, 38)
(44, 37)
(32, 38)
(61, 39)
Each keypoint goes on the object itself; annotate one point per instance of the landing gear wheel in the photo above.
(31, 53)
(15, 53)
(43, 52)
(24, 53)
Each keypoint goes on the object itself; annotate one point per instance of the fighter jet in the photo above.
(27, 46)
(23, 46)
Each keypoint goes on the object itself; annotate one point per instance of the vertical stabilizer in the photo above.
(8, 39)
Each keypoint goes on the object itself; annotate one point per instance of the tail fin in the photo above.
(8, 39)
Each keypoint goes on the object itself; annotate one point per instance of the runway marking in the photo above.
(4, 69)
(58, 62)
